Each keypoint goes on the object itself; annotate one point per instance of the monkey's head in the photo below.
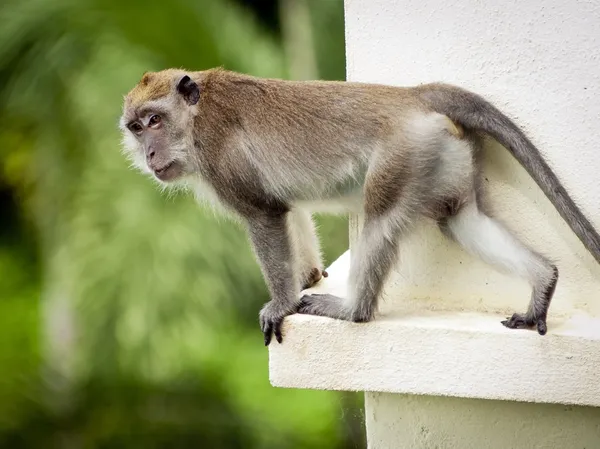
(157, 124)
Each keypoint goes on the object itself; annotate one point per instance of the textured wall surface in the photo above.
(490, 424)
(538, 61)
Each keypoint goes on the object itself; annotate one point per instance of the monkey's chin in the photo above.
(171, 172)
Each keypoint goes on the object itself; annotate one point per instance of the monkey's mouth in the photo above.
(166, 172)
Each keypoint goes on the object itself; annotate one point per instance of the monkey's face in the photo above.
(157, 124)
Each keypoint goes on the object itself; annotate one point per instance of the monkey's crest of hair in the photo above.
(153, 86)
(156, 85)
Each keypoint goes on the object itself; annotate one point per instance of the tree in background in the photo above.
(129, 317)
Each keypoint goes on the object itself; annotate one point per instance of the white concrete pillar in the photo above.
(439, 369)
(400, 421)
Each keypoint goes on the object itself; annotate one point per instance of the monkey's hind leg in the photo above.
(306, 248)
(371, 263)
(486, 238)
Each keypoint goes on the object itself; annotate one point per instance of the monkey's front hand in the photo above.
(271, 319)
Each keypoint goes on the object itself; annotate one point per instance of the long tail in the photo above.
(472, 111)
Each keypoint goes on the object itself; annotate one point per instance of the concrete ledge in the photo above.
(466, 355)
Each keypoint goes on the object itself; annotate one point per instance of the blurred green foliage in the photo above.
(128, 316)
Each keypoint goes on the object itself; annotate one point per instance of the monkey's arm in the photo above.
(271, 242)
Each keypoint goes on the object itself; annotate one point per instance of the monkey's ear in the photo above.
(189, 90)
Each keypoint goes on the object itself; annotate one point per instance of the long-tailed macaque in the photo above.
(271, 151)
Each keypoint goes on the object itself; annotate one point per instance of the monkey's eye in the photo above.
(154, 121)
(136, 128)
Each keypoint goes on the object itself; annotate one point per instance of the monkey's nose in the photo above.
(151, 154)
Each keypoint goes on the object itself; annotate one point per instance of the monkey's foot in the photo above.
(314, 276)
(271, 319)
(520, 321)
(329, 306)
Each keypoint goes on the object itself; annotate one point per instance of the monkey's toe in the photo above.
(521, 321)
(517, 321)
(314, 276)
(542, 327)
(324, 305)
(309, 304)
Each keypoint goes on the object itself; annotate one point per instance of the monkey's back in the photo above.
(305, 137)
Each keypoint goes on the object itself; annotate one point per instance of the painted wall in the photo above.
(538, 61)
(413, 422)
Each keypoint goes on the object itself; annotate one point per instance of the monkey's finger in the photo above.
(268, 333)
(325, 274)
(278, 335)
